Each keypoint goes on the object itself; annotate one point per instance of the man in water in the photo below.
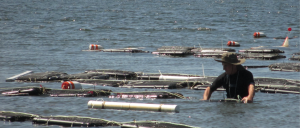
(237, 81)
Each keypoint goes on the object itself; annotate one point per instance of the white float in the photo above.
(13, 78)
(286, 42)
(233, 44)
(133, 106)
(259, 34)
(71, 85)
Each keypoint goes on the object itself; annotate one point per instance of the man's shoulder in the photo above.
(223, 75)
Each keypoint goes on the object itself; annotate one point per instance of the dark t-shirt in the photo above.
(236, 84)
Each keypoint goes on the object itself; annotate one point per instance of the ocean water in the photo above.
(50, 35)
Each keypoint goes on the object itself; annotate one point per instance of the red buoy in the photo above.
(233, 44)
(289, 29)
(71, 85)
(259, 34)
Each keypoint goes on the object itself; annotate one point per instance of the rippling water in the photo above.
(50, 36)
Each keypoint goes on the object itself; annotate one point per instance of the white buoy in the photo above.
(259, 34)
(286, 42)
(71, 85)
(133, 106)
(95, 47)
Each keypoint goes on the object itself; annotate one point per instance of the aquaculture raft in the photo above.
(288, 67)
(153, 124)
(131, 50)
(78, 93)
(72, 121)
(147, 94)
(16, 116)
(295, 58)
(211, 52)
(261, 51)
(42, 76)
(263, 56)
(23, 91)
(173, 50)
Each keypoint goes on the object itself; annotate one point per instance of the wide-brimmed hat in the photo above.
(231, 58)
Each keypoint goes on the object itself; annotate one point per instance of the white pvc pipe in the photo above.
(133, 106)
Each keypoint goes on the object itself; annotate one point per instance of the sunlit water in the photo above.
(50, 36)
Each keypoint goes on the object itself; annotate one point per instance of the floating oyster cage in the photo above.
(73, 121)
(78, 92)
(38, 77)
(148, 95)
(80, 121)
(16, 116)
(153, 124)
(212, 50)
(261, 51)
(130, 50)
(288, 67)
(53, 76)
(173, 50)
(263, 56)
(23, 91)
(295, 58)
(117, 74)
(38, 91)
(213, 54)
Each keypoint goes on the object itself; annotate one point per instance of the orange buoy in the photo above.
(95, 47)
(71, 85)
(259, 34)
(233, 44)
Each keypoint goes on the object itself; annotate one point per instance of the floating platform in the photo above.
(288, 67)
(23, 91)
(115, 74)
(259, 50)
(54, 76)
(211, 52)
(174, 50)
(78, 92)
(130, 50)
(153, 124)
(80, 121)
(148, 95)
(42, 76)
(262, 56)
(73, 121)
(16, 116)
(295, 58)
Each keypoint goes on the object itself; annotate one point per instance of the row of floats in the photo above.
(252, 53)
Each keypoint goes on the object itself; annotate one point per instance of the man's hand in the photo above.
(247, 100)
